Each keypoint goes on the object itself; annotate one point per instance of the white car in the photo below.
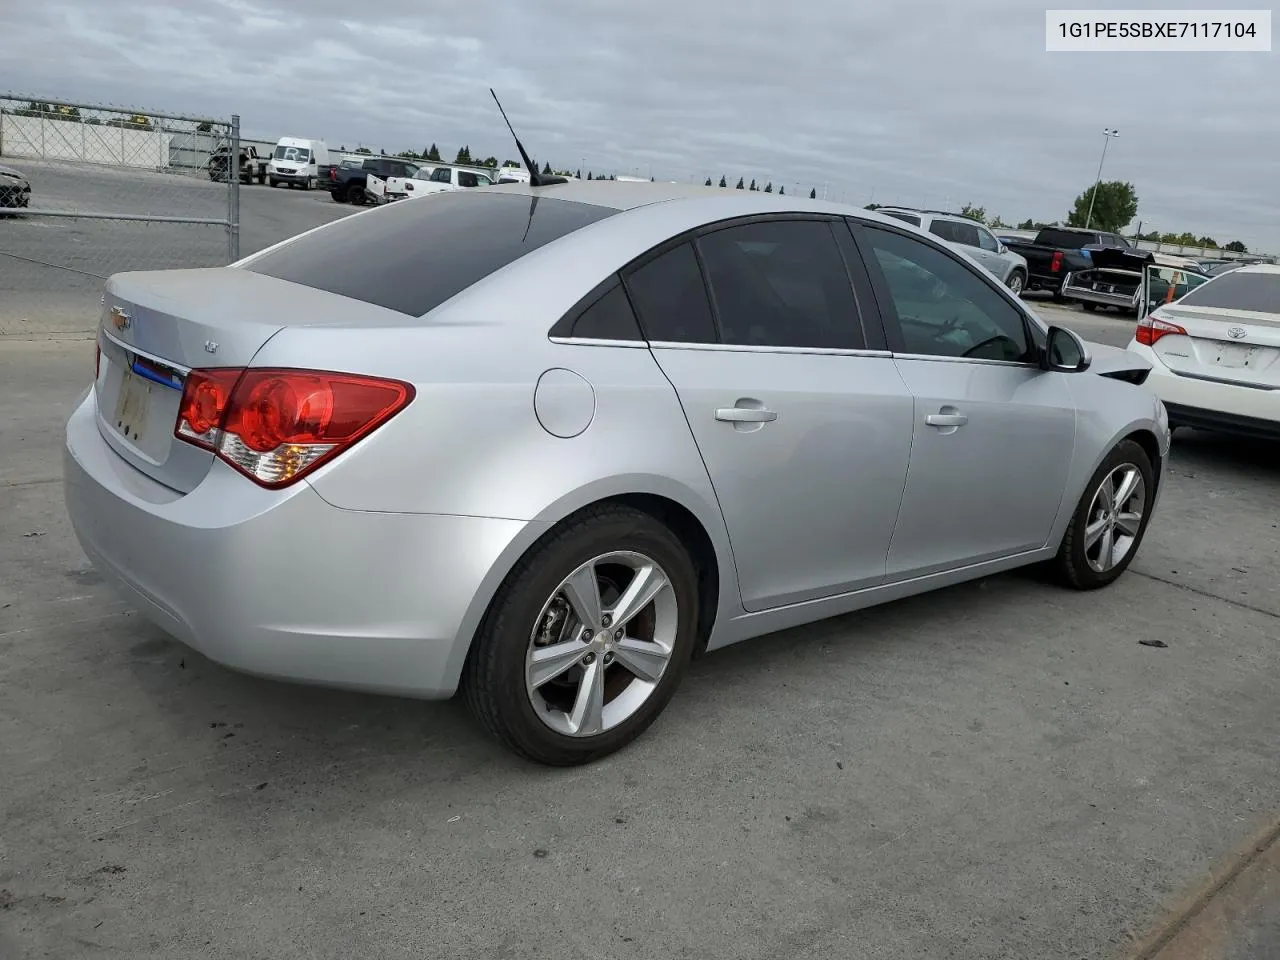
(1215, 350)
(971, 238)
(426, 181)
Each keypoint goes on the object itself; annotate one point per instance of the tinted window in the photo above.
(965, 233)
(1238, 290)
(441, 175)
(609, 318)
(413, 256)
(945, 309)
(1067, 239)
(781, 284)
(943, 229)
(910, 218)
(670, 298)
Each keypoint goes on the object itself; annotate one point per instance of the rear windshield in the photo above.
(1065, 239)
(1238, 290)
(416, 254)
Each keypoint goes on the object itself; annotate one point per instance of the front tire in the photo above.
(1088, 307)
(1017, 283)
(587, 638)
(1110, 520)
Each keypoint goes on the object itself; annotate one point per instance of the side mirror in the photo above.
(1001, 248)
(1065, 352)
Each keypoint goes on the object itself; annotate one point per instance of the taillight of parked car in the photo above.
(1055, 265)
(277, 425)
(1151, 328)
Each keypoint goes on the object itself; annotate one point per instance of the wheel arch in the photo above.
(697, 524)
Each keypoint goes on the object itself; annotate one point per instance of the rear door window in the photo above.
(910, 218)
(965, 233)
(413, 256)
(671, 299)
(781, 283)
(944, 229)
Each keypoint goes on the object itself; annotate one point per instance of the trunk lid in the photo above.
(157, 326)
(1229, 346)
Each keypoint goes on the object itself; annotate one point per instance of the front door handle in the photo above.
(746, 415)
(946, 419)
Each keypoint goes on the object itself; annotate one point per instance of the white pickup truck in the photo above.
(426, 181)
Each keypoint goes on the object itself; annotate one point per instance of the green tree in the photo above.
(723, 181)
(813, 194)
(708, 183)
(433, 153)
(407, 155)
(546, 169)
(768, 187)
(464, 155)
(781, 191)
(1114, 206)
(1235, 246)
(740, 185)
(872, 206)
(1027, 224)
(365, 151)
(753, 184)
(1208, 242)
(995, 223)
(588, 174)
(974, 213)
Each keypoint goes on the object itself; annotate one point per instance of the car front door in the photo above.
(990, 256)
(804, 425)
(993, 432)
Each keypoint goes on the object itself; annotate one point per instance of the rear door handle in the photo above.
(745, 415)
(946, 419)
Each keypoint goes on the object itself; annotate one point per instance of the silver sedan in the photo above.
(544, 444)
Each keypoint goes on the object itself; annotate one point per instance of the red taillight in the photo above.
(1055, 265)
(333, 173)
(1151, 328)
(276, 425)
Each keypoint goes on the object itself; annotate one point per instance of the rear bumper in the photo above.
(1211, 405)
(280, 583)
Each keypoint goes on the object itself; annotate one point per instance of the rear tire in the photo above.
(535, 610)
(355, 194)
(1017, 283)
(1104, 535)
(1088, 307)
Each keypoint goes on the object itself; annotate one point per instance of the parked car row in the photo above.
(969, 237)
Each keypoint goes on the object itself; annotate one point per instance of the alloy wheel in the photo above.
(1115, 518)
(601, 643)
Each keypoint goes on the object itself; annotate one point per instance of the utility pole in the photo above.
(1107, 133)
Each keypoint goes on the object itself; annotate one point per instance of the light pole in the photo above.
(1107, 133)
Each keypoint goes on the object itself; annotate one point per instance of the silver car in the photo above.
(971, 238)
(544, 444)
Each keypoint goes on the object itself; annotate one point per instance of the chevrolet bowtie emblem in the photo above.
(119, 319)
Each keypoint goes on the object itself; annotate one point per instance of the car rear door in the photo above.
(1231, 325)
(993, 434)
(803, 422)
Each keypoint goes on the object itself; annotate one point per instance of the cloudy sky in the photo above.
(929, 102)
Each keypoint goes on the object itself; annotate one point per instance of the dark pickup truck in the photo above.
(346, 184)
(1058, 251)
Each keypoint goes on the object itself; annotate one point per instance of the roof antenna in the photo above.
(535, 179)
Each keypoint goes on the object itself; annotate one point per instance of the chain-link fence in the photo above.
(97, 190)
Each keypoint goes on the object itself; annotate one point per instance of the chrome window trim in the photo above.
(596, 342)
(977, 360)
(750, 348)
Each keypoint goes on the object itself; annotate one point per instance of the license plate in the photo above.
(1230, 355)
(132, 406)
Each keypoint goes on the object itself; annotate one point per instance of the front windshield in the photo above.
(292, 154)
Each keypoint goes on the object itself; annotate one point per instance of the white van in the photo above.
(297, 161)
